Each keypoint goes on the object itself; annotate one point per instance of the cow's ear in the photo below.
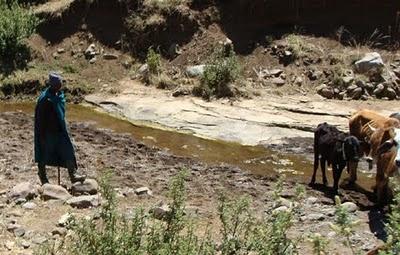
(386, 146)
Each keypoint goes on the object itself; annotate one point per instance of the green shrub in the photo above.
(392, 245)
(16, 24)
(153, 60)
(113, 234)
(221, 70)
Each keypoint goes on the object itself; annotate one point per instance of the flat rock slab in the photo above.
(24, 190)
(88, 187)
(50, 191)
(84, 201)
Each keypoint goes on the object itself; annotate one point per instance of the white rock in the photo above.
(311, 200)
(316, 216)
(195, 71)
(143, 191)
(51, 191)
(89, 186)
(161, 211)
(24, 190)
(371, 63)
(350, 206)
(29, 206)
(63, 221)
(280, 209)
(143, 69)
(84, 201)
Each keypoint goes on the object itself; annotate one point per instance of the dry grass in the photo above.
(53, 7)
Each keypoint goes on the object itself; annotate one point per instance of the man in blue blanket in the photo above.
(53, 146)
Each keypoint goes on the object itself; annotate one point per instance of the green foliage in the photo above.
(221, 70)
(153, 60)
(113, 234)
(344, 225)
(392, 245)
(16, 24)
(319, 243)
(297, 44)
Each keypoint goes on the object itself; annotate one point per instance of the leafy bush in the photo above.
(221, 70)
(16, 24)
(113, 234)
(392, 245)
(153, 60)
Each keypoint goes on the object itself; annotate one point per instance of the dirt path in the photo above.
(269, 120)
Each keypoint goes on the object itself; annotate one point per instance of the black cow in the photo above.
(335, 147)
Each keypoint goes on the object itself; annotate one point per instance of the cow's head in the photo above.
(351, 148)
(391, 142)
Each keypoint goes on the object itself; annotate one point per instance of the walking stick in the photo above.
(59, 177)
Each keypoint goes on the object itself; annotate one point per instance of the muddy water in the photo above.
(256, 159)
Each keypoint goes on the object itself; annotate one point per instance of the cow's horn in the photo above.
(372, 128)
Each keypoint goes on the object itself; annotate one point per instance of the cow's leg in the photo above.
(381, 190)
(323, 166)
(337, 172)
(316, 158)
(352, 169)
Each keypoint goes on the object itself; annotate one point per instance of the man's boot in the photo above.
(74, 176)
(42, 174)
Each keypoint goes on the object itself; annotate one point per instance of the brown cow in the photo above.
(361, 124)
(388, 159)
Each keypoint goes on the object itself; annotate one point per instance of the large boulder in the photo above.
(51, 191)
(24, 190)
(195, 71)
(84, 201)
(88, 187)
(370, 64)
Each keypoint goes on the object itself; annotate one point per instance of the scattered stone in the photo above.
(181, 91)
(143, 69)
(285, 202)
(280, 209)
(29, 206)
(60, 50)
(63, 221)
(278, 81)
(90, 52)
(93, 60)
(331, 234)
(59, 231)
(39, 240)
(298, 81)
(143, 191)
(316, 216)
(275, 72)
(84, 201)
(23, 190)
(3, 192)
(25, 244)
(350, 206)
(347, 80)
(325, 91)
(195, 71)
(174, 50)
(371, 64)
(20, 201)
(12, 226)
(390, 94)
(161, 211)
(2, 206)
(9, 245)
(356, 93)
(110, 56)
(311, 200)
(51, 191)
(378, 90)
(89, 186)
(19, 232)
(55, 55)
(351, 88)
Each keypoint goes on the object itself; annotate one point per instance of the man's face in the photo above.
(57, 87)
